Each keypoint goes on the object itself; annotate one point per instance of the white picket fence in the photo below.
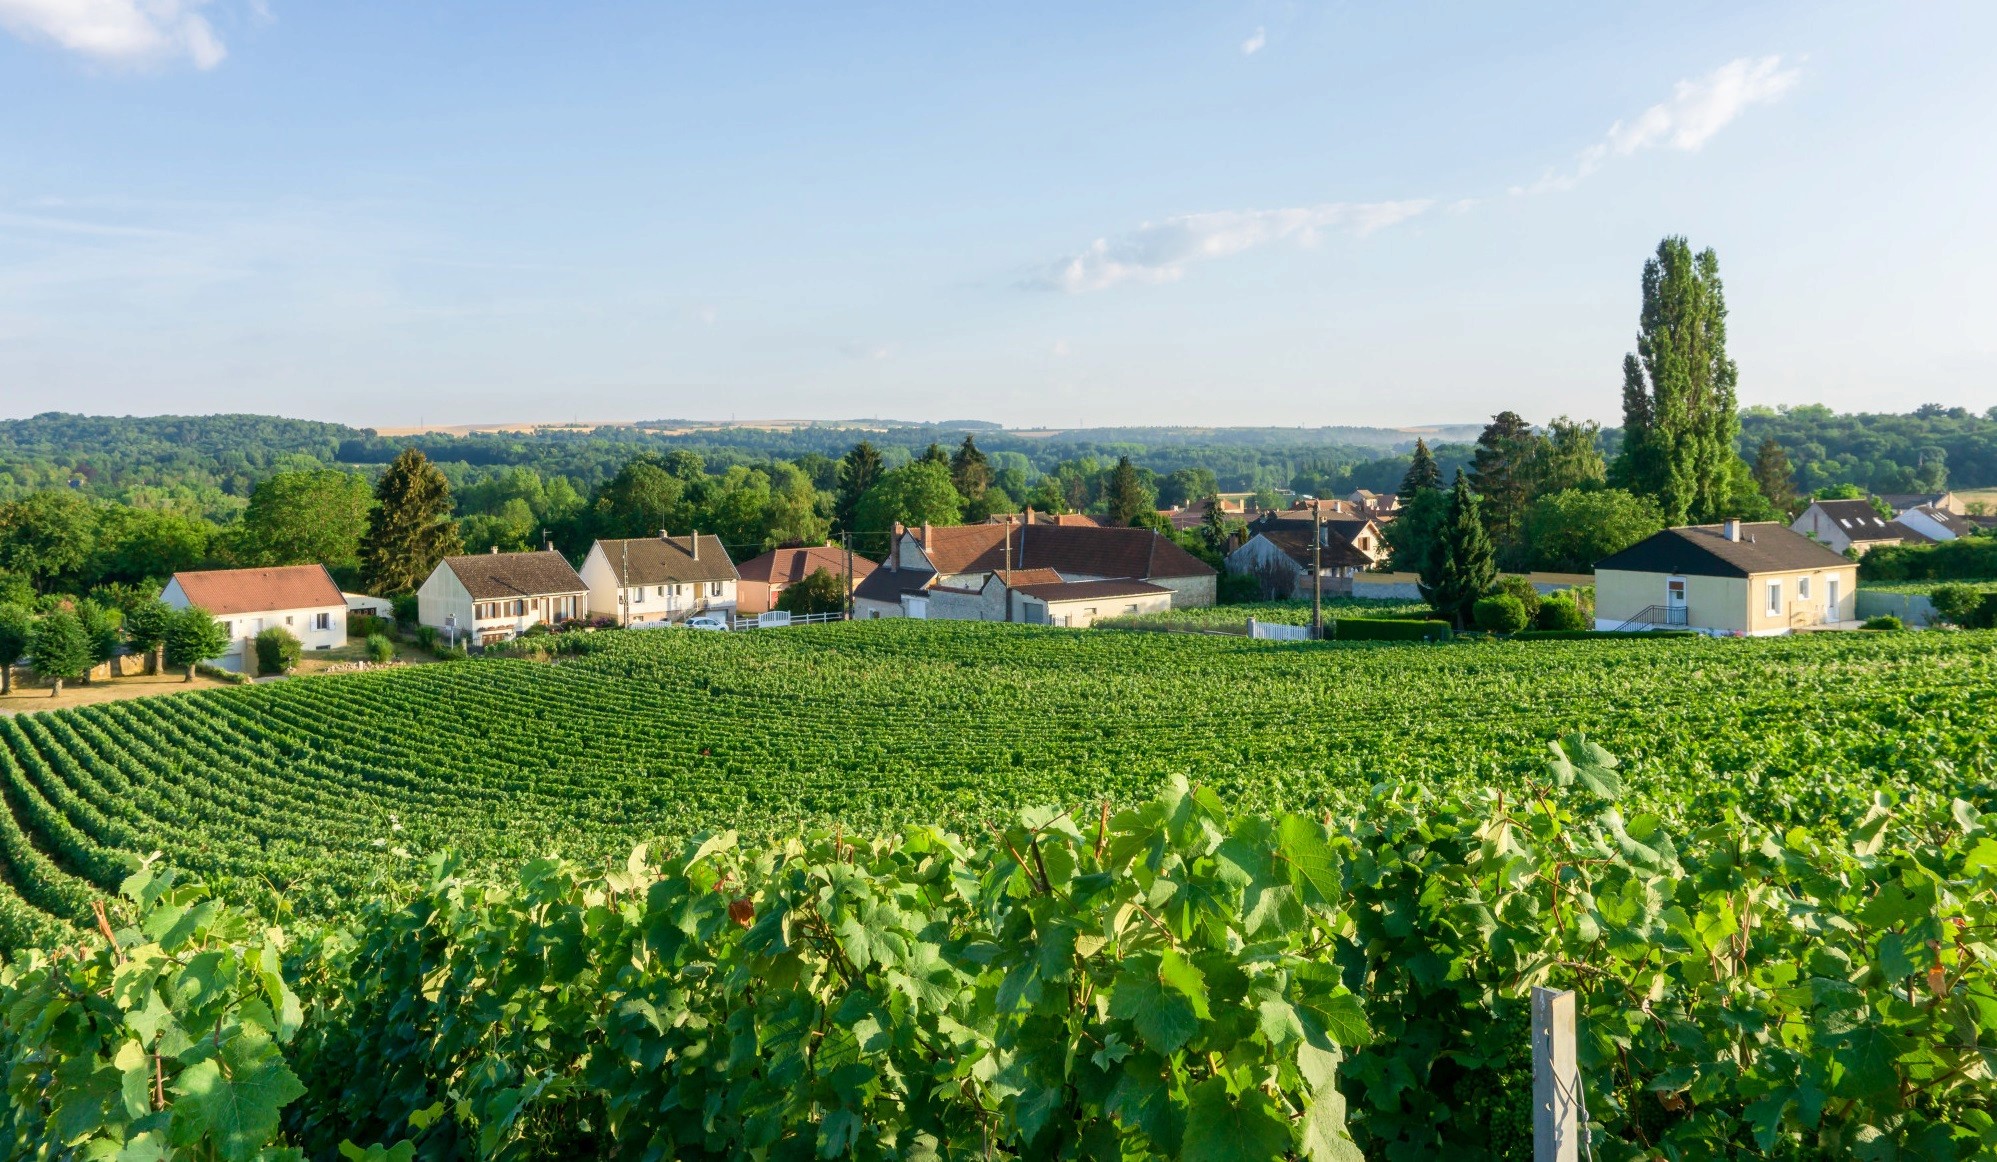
(1278, 632)
(778, 619)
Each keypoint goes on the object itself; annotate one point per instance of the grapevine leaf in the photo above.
(236, 1112)
(1223, 1128)
(1325, 1137)
(1165, 1015)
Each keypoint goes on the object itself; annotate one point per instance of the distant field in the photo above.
(295, 794)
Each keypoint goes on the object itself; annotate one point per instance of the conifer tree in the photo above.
(1774, 475)
(411, 528)
(1423, 473)
(859, 469)
(1125, 495)
(1501, 473)
(970, 471)
(1461, 566)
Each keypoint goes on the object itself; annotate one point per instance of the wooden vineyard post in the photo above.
(1556, 1078)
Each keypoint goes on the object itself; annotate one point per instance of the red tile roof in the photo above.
(233, 591)
(787, 566)
(1075, 550)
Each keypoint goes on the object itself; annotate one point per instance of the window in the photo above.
(323, 621)
(714, 589)
(1802, 588)
(676, 591)
(662, 591)
(638, 598)
(1775, 599)
(287, 619)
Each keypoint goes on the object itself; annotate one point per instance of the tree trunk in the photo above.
(190, 673)
(7, 679)
(55, 690)
(153, 660)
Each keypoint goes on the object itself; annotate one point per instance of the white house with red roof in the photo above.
(302, 599)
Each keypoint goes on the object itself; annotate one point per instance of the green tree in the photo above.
(47, 537)
(1423, 473)
(1461, 566)
(934, 454)
(1127, 497)
(859, 469)
(278, 650)
(306, 518)
(643, 499)
(146, 625)
(1679, 409)
(410, 529)
(1502, 471)
(143, 546)
(819, 592)
(1411, 536)
(1774, 475)
(60, 648)
(1567, 532)
(914, 494)
(100, 628)
(1216, 527)
(1185, 486)
(17, 627)
(1568, 458)
(1500, 613)
(970, 471)
(192, 638)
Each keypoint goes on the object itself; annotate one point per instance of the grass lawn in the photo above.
(319, 661)
(26, 696)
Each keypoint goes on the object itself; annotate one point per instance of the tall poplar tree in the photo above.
(1461, 565)
(1680, 417)
(970, 471)
(1423, 473)
(410, 528)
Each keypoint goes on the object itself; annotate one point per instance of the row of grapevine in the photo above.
(1176, 979)
(296, 797)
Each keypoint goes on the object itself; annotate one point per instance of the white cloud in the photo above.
(1160, 251)
(132, 32)
(857, 349)
(1254, 44)
(1697, 110)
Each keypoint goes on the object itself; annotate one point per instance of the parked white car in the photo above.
(707, 621)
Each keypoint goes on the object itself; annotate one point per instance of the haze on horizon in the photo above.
(1246, 214)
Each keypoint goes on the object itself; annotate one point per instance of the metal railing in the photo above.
(1652, 616)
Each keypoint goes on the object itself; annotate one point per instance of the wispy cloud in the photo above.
(1161, 251)
(1697, 110)
(1255, 44)
(127, 32)
(859, 349)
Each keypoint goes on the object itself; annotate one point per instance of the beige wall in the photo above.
(1188, 592)
(1728, 604)
(1086, 612)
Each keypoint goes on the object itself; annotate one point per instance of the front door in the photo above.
(1831, 605)
(1674, 601)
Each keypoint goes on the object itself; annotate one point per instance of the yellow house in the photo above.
(1726, 579)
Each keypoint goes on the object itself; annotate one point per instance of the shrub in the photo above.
(1238, 589)
(426, 636)
(405, 608)
(1958, 604)
(1380, 629)
(452, 654)
(1561, 612)
(278, 650)
(1885, 621)
(1499, 613)
(379, 648)
(367, 625)
(1522, 589)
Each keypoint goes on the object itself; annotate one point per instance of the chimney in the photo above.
(695, 538)
(894, 548)
(925, 536)
(1026, 516)
(1730, 528)
(664, 536)
(495, 550)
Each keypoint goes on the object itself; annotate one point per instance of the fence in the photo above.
(1911, 608)
(778, 619)
(1278, 632)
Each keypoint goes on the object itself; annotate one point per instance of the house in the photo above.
(368, 605)
(1029, 517)
(1279, 555)
(764, 578)
(300, 598)
(1726, 579)
(1945, 501)
(1937, 524)
(1852, 524)
(1361, 532)
(646, 582)
(948, 572)
(484, 598)
(1375, 504)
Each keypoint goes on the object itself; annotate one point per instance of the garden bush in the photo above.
(1500, 613)
(1521, 588)
(1561, 612)
(379, 648)
(278, 650)
(1382, 629)
(1884, 621)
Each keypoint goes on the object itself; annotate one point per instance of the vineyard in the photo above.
(293, 798)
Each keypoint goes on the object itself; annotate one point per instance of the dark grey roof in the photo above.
(493, 576)
(1902, 501)
(1908, 535)
(669, 560)
(1294, 539)
(1858, 520)
(1087, 590)
(888, 585)
(1704, 551)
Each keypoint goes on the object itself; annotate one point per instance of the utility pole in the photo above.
(846, 538)
(1317, 571)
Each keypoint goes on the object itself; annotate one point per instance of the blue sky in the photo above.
(1043, 214)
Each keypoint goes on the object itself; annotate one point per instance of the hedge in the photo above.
(1380, 629)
